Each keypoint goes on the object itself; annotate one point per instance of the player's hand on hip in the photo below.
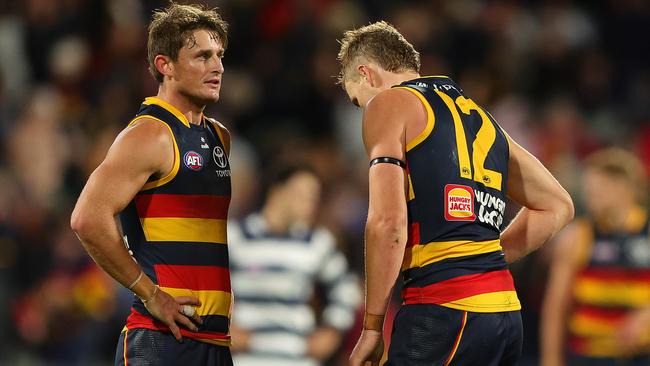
(174, 312)
(369, 349)
(633, 333)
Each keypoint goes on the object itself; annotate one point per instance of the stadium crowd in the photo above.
(564, 78)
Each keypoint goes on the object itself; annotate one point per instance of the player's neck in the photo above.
(191, 111)
(275, 218)
(618, 218)
(392, 79)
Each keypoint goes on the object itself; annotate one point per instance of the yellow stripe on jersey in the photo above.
(170, 108)
(411, 191)
(431, 120)
(612, 293)
(490, 302)
(585, 325)
(422, 255)
(177, 158)
(218, 342)
(212, 302)
(464, 164)
(184, 229)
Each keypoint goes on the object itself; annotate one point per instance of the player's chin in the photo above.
(211, 96)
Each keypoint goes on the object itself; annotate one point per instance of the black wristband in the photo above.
(387, 160)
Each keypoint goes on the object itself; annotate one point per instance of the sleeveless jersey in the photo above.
(175, 227)
(457, 172)
(614, 281)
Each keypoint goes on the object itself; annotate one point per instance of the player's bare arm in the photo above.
(547, 207)
(142, 150)
(384, 134)
(565, 263)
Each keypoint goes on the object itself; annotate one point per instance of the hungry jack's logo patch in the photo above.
(459, 203)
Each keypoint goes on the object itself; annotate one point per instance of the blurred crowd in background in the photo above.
(563, 78)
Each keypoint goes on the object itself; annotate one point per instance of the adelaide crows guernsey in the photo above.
(175, 227)
(613, 281)
(457, 172)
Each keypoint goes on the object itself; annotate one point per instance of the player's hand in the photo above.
(369, 349)
(552, 361)
(634, 332)
(169, 310)
(241, 339)
(323, 342)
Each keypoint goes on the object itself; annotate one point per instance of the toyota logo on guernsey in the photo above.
(219, 157)
(193, 160)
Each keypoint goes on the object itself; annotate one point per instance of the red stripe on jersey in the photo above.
(182, 205)
(617, 274)
(414, 235)
(460, 288)
(577, 344)
(137, 320)
(601, 313)
(193, 277)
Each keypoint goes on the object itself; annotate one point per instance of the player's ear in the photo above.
(369, 75)
(164, 65)
(365, 73)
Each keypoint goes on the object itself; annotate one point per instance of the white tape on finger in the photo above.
(188, 310)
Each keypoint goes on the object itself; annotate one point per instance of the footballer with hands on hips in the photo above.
(167, 176)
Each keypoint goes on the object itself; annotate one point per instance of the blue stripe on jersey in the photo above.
(189, 253)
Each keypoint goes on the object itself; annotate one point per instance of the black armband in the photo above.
(387, 160)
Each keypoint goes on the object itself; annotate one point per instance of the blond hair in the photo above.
(381, 43)
(171, 28)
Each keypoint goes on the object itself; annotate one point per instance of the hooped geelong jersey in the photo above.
(175, 227)
(457, 173)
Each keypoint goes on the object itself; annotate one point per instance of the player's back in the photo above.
(457, 170)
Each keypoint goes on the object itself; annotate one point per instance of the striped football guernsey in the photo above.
(613, 281)
(175, 227)
(457, 173)
(275, 277)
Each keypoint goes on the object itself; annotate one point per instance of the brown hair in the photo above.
(171, 28)
(379, 42)
(621, 164)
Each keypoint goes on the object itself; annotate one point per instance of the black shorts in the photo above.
(577, 360)
(428, 334)
(139, 347)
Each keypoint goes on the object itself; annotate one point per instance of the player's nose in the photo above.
(217, 65)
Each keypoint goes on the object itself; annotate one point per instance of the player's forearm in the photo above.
(101, 238)
(385, 241)
(532, 228)
(553, 330)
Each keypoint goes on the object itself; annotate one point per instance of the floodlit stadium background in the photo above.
(563, 78)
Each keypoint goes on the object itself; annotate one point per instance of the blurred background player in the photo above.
(597, 306)
(295, 296)
(440, 169)
(167, 176)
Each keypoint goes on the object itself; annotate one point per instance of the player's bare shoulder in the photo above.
(393, 111)
(146, 141)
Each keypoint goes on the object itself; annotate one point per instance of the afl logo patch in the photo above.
(459, 203)
(193, 160)
(219, 157)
